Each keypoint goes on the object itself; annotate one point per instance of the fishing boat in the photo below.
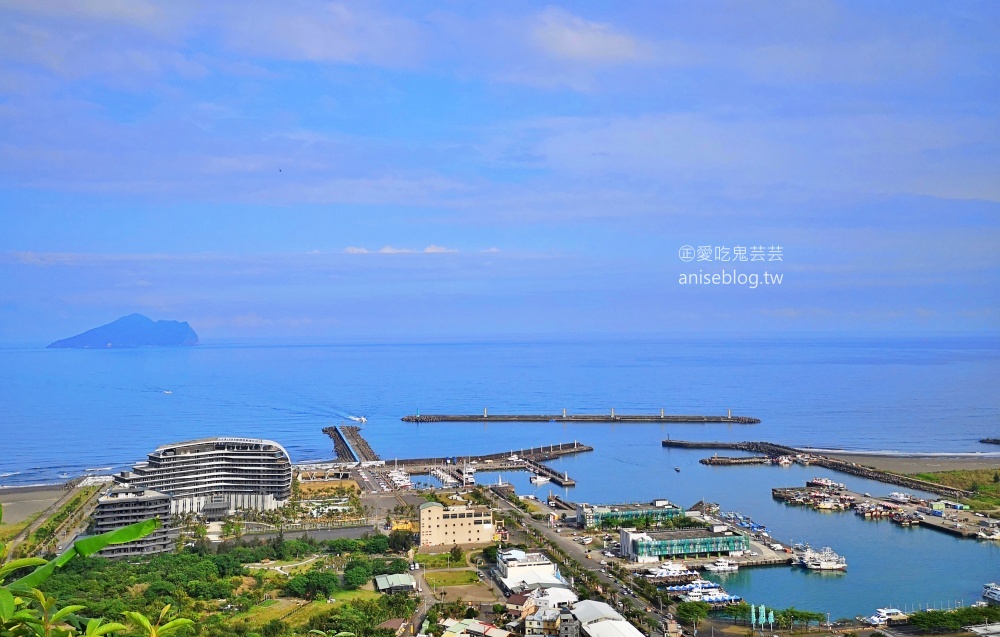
(886, 616)
(722, 565)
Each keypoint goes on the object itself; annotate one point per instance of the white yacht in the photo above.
(722, 565)
(886, 616)
(539, 479)
(991, 593)
(901, 498)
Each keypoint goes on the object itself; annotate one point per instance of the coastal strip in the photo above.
(564, 417)
(853, 468)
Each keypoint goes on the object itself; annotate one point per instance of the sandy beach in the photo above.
(20, 503)
(919, 464)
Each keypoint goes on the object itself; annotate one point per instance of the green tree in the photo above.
(456, 555)
(692, 612)
(400, 541)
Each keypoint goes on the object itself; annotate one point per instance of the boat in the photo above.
(988, 534)
(901, 498)
(360, 419)
(886, 616)
(824, 560)
(468, 474)
(722, 565)
(538, 479)
(991, 593)
(677, 469)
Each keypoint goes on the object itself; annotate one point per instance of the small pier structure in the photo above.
(561, 479)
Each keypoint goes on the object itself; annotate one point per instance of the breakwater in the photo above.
(537, 454)
(739, 460)
(340, 446)
(853, 468)
(598, 418)
(359, 444)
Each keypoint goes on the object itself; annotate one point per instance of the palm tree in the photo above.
(156, 630)
(331, 633)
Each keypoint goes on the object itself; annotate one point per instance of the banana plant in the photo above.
(16, 611)
(149, 629)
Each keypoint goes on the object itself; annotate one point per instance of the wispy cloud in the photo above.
(566, 36)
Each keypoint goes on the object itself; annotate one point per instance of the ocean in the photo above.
(68, 411)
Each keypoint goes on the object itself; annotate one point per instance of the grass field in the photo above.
(985, 483)
(451, 578)
(7, 531)
(436, 560)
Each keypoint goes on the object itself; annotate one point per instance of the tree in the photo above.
(692, 612)
(456, 554)
(356, 577)
(471, 612)
(490, 554)
(400, 540)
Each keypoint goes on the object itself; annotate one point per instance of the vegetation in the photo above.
(984, 483)
(691, 613)
(951, 621)
(25, 610)
(451, 578)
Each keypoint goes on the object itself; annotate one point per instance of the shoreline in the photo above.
(916, 463)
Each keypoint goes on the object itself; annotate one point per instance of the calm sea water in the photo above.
(65, 411)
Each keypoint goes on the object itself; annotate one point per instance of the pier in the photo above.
(560, 479)
(775, 450)
(612, 417)
(359, 444)
(863, 505)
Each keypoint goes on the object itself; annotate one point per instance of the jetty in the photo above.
(612, 417)
(342, 450)
(775, 450)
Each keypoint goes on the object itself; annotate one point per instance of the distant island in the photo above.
(134, 330)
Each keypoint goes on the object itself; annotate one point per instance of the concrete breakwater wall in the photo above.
(340, 446)
(545, 452)
(564, 417)
(359, 444)
(835, 464)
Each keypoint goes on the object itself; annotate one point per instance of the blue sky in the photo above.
(366, 170)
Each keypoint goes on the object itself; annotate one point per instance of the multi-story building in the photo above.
(122, 506)
(448, 526)
(609, 516)
(680, 543)
(518, 572)
(543, 623)
(216, 477)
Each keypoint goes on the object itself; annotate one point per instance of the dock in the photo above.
(612, 417)
(775, 450)
(857, 504)
(560, 479)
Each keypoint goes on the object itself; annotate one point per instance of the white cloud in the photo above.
(565, 36)
(322, 32)
(433, 249)
(355, 250)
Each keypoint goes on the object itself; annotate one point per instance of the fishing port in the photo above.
(903, 509)
(592, 418)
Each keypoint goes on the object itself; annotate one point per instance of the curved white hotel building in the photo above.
(216, 477)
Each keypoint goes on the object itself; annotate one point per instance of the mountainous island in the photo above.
(134, 330)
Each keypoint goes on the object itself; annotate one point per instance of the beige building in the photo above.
(448, 526)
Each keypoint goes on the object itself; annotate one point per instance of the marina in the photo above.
(898, 508)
